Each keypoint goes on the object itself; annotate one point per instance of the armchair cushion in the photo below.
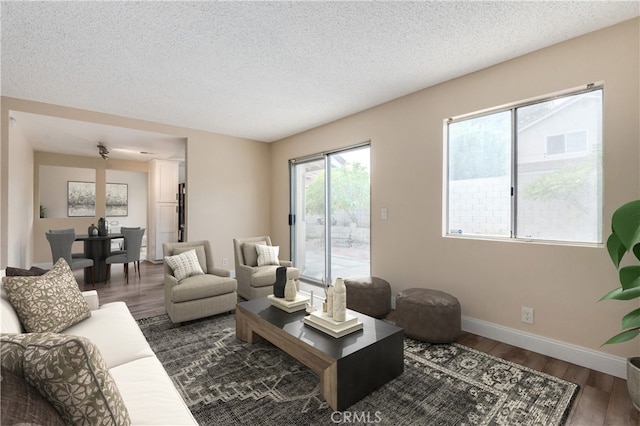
(184, 265)
(50, 302)
(250, 253)
(263, 276)
(267, 255)
(202, 286)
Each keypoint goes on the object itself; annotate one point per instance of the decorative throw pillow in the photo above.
(22, 404)
(11, 355)
(250, 254)
(267, 255)
(184, 264)
(19, 272)
(202, 257)
(71, 373)
(50, 302)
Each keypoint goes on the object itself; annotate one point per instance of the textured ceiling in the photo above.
(267, 70)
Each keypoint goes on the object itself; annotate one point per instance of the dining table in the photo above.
(98, 248)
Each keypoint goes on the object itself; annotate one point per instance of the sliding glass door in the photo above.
(330, 214)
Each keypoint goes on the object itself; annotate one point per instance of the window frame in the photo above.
(513, 108)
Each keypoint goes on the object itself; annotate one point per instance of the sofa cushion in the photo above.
(201, 287)
(150, 395)
(22, 404)
(184, 264)
(267, 255)
(50, 302)
(200, 253)
(70, 372)
(115, 333)
(249, 252)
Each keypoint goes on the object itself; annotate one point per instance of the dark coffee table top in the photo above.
(373, 330)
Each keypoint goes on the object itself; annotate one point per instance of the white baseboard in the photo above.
(599, 361)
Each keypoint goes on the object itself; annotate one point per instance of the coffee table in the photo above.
(350, 367)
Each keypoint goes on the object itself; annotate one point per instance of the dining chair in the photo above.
(122, 244)
(61, 242)
(133, 243)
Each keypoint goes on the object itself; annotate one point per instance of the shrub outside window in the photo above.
(532, 171)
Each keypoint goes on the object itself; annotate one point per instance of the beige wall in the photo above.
(227, 184)
(492, 279)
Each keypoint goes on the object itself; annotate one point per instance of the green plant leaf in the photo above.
(616, 249)
(630, 277)
(619, 293)
(636, 251)
(632, 319)
(624, 336)
(625, 223)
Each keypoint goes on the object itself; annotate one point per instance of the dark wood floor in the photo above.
(602, 400)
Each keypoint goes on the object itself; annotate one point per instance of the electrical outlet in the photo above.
(526, 315)
(225, 262)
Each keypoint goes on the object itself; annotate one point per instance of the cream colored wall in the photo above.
(227, 182)
(492, 279)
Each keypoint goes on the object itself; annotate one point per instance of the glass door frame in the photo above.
(293, 186)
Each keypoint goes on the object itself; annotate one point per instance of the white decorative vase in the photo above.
(633, 380)
(330, 301)
(339, 300)
(290, 290)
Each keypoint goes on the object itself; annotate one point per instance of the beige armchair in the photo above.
(256, 281)
(197, 296)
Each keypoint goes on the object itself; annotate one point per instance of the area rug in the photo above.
(228, 382)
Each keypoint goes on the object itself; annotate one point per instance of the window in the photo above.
(532, 171)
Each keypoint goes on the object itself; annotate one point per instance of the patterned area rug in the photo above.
(228, 382)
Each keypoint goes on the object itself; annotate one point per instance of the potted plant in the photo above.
(624, 238)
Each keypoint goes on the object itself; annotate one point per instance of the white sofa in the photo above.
(147, 391)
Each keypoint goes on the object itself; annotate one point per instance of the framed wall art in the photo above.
(81, 199)
(117, 199)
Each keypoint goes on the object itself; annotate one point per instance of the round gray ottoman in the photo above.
(429, 315)
(368, 295)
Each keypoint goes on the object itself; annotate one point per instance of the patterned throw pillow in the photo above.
(72, 375)
(184, 264)
(200, 253)
(50, 302)
(267, 255)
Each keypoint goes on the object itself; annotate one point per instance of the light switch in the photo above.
(384, 214)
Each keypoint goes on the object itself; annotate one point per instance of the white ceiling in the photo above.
(265, 70)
